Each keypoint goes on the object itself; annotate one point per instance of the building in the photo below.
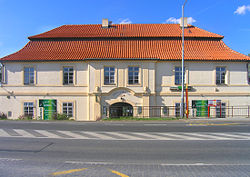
(87, 71)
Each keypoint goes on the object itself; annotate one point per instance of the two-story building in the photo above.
(87, 71)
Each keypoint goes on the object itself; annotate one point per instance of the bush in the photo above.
(25, 117)
(3, 116)
(59, 116)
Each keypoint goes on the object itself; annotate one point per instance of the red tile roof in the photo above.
(162, 44)
(124, 30)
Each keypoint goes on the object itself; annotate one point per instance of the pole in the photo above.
(187, 111)
(182, 64)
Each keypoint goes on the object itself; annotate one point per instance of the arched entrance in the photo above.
(120, 110)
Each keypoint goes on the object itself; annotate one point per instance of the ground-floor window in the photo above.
(221, 110)
(68, 109)
(28, 108)
(178, 109)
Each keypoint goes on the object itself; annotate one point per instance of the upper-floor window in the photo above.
(68, 109)
(1, 73)
(28, 108)
(178, 75)
(68, 75)
(248, 73)
(109, 75)
(133, 75)
(220, 75)
(29, 74)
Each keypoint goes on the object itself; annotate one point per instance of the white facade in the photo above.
(90, 95)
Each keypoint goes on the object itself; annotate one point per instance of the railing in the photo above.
(173, 111)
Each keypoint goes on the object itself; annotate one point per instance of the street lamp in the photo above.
(182, 63)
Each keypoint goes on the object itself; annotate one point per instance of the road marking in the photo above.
(125, 135)
(10, 159)
(48, 134)
(74, 135)
(244, 134)
(208, 136)
(155, 124)
(203, 164)
(90, 163)
(68, 171)
(185, 137)
(98, 135)
(24, 133)
(118, 173)
(129, 137)
(151, 136)
(212, 124)
(4, 133)
(232, 136)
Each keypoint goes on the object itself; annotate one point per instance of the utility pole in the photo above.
(182, 64)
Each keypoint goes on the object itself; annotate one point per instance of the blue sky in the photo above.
(22, 18)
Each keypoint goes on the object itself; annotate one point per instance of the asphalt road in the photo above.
(225, 153)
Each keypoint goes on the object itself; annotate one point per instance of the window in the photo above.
(248, 73)
(28, 75)
(165, 110)
(68, 109)
(133, 75)
(109, 75)
(1, 73)
(178, 75)
(221, 110)
(68, 75)
(220, 75)
(178, 109)
(28, 108)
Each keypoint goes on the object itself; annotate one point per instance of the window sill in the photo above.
(27, 85)
(221, 85)
(69, 85)
(133, 85)
(109, 85)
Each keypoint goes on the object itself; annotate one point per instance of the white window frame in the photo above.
(111, 75)
(220, 75)
(248, 73)
(70, 80)
(66, 108)
(2, 70)
(179, 75)
(31, 75)
(133, 71)
(30, 108)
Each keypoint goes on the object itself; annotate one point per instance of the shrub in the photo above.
(3, 116)
(25, 117)
(59, 116)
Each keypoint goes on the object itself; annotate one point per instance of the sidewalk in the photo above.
(220, 119)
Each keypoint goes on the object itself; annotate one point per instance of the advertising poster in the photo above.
(201, 107)
(49, 108)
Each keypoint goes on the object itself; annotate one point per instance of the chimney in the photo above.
(105, 23)
(185, 22)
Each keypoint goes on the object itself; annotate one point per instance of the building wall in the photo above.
(89, 93)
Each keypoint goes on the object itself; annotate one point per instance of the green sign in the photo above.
(49, 108)
(201, 107)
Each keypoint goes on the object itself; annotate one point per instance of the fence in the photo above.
(174, 111)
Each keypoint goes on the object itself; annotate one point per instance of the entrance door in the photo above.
(120, 110)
